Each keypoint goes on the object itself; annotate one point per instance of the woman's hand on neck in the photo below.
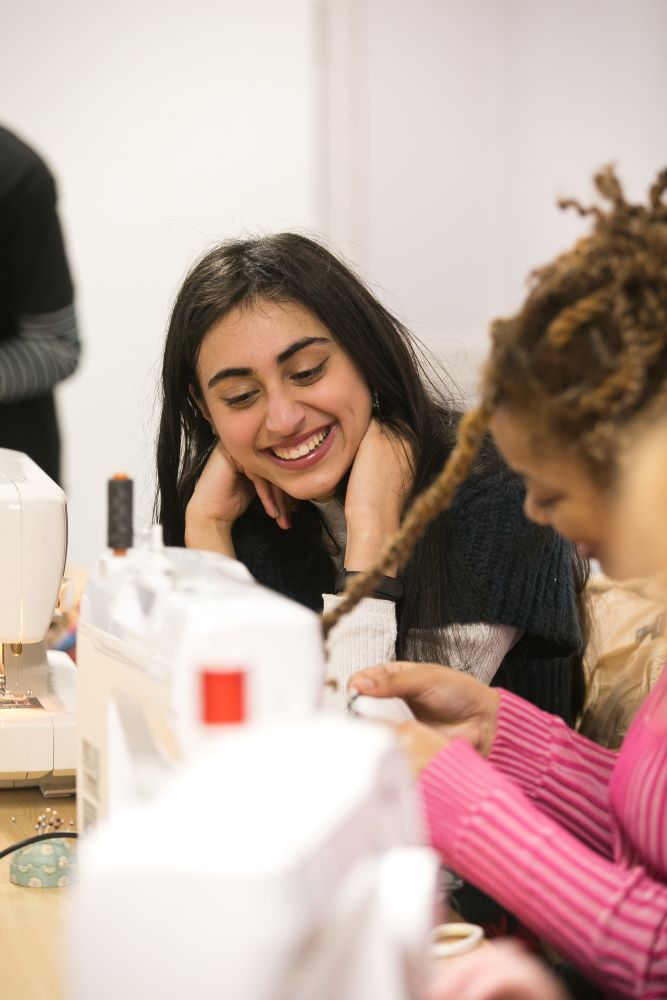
(380, 482)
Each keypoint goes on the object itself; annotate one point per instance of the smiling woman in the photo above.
(283, 396)
(298, 421)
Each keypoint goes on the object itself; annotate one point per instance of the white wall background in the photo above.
(471, 117)
(168, 125)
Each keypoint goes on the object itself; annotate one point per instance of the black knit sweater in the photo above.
(497, 568)
(504, 569)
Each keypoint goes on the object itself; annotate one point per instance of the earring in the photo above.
(375, 402)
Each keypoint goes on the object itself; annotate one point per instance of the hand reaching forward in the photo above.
(448, 705)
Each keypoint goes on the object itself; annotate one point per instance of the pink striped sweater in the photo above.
(569, 836)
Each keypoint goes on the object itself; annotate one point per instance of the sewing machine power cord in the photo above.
(35, 840)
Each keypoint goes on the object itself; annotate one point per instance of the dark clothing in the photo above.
(501, 568)
(30, 425)
(35, 283)
(497, 568)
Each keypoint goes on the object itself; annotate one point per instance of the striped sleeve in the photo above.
(45, 351)
(608, 919)
(477, 649)
(563, 772)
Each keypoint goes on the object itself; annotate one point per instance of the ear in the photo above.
(200, 404)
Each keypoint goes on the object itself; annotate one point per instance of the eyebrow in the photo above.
(284, 356)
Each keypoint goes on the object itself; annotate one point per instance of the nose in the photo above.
(284, 416)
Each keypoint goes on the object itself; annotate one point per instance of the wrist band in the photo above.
(387, 588)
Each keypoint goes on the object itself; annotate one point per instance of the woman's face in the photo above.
(285, 400)
(562, 493)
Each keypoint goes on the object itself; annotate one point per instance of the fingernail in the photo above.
(364, 684)
(276, 512)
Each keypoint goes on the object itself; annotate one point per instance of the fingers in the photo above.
(275, 501)
(396, 680)
(283, 505)
(263, 490)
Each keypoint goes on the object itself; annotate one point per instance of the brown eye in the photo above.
(239, 402)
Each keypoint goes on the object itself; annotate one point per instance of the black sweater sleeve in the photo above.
(501, 568)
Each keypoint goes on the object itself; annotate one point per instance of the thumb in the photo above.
(395, 680)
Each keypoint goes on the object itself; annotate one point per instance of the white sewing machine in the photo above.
(247, 845)
(37, 687)
(171, 644)
(281, 864)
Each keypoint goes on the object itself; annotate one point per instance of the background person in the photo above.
(39, 342)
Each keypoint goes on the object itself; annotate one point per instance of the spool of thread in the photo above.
(119, 514)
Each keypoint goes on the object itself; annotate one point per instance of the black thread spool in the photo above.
(119, 514)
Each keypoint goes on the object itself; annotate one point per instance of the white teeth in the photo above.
(303, 449)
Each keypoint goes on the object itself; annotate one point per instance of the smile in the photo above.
(307, 452)
(290, 454)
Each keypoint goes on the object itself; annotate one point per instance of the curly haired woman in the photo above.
(570, 836)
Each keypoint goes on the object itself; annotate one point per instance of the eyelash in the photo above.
(308, 377)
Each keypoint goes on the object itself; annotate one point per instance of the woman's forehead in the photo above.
(258, 338)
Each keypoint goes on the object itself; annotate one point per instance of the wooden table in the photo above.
(31, 943)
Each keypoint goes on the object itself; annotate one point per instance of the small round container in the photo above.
(450, 940)
(48, 864)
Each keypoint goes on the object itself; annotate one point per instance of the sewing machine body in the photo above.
(168, 639)
(38, 707)
(281, 864)
(238, 842)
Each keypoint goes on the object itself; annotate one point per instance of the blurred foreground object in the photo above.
(498, 971)
(281, 864)
(240, 843)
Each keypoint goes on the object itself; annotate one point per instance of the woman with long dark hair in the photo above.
(298, 421)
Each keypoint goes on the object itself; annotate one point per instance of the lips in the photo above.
(304, 451)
